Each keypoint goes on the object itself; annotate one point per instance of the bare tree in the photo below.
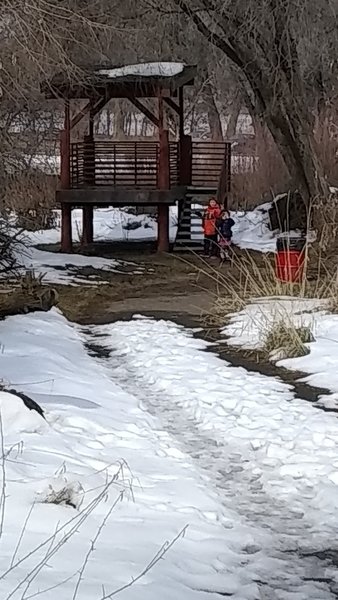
(270, 41)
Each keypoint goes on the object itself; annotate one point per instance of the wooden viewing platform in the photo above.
(98, 173)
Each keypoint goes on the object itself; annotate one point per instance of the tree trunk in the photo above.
(214, 118)
(233, 117)
(119, 122)
(295, 140)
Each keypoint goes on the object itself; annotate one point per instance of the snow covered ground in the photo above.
(250, 469)
(92, 425)
(248, 328)
(250, 231)
(251, 228)
(64, 268)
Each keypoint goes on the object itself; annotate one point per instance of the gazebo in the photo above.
(96, 173)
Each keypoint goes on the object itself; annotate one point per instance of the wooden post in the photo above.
(163, 228)
(181, 113)
(87, 225)
(185, 166)
(91, 122)
(163, 181)
(66, 209)
(66, 228)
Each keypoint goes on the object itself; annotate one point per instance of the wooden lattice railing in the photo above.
(135, 164)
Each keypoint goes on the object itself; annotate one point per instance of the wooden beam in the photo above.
(99, 105)
(92, 107)
(140, 106)
(79, 116)
(181, 112)
(172, 105)
(91, 125)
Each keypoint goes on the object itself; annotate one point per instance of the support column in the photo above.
(87, 225)
(181, 113)
(163, 181)
(66, 228)
(66, 209)
(185, 164)
(163, 228)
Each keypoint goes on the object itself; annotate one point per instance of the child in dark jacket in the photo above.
(224, 227)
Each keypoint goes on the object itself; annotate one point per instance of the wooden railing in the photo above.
(135, 164)
(127, 164)
(209, 159)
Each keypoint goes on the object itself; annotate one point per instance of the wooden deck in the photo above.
(101, 196)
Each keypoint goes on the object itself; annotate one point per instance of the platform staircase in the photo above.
(189, 235)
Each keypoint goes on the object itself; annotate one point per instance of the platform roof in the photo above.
(143, 80)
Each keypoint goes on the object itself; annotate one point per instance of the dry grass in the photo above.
(286, 340)
(252, 276)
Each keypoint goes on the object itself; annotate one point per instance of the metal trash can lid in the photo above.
(289, 242)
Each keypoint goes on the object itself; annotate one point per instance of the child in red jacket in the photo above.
(210, 217)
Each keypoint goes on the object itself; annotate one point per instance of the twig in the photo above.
(158, 556)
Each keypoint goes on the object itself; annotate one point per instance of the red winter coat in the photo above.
(211, 214)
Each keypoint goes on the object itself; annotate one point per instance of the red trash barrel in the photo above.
(290, 258)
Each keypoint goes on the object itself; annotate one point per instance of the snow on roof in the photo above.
(153, 69)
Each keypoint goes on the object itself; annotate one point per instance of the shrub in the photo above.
(30, 195)
(286, 340)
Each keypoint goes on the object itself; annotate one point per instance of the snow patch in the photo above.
(16, 417)
(152, 69)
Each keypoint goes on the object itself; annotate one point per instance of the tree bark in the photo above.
(233, 117)
(214, 118)
(119, 123)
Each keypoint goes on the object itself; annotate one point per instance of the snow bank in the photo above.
(16, 417)
(96, 431)
(248, 328)
(322, 361)
(251, 230)
(189, 440)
